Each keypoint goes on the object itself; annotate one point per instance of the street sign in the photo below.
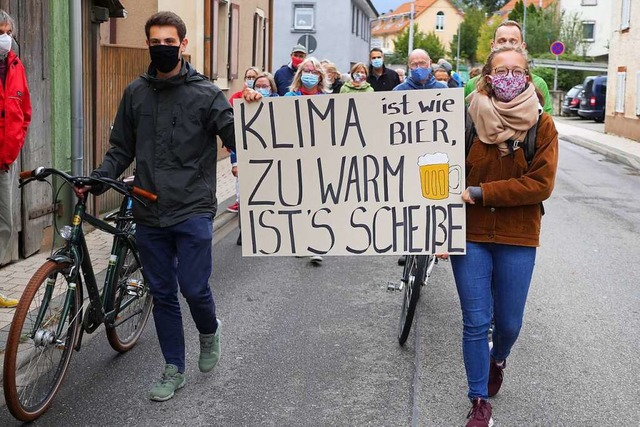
(308, 41)
(557, 48)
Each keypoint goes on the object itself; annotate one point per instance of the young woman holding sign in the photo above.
(504, 195)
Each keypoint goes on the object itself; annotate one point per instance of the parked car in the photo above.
(592, 102)
(571, 101)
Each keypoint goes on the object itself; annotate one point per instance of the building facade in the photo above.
(622, 115)
(438, 16)
(594, 18)
(335, 30)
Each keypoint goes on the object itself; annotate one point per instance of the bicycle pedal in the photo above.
(394, 286)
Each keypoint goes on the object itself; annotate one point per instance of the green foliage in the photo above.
(469, 30)
(571, 33)
(484, 40)
(517, 14)
(429, 42)
(566, 78)
(543, 28)
(487, 5)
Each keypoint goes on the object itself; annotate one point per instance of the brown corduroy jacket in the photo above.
(510, 212)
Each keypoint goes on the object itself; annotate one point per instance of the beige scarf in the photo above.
(498, 121)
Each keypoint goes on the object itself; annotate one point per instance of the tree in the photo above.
(571, 33)
(487, 5)
(543, 28)
(484, 40)
(429, 42)
(517, 14)
(469, 30)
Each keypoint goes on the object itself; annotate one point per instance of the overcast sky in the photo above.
(383, 6)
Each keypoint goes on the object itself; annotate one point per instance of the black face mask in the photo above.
(164, 58)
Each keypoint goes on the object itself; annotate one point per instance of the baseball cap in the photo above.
(299, 48)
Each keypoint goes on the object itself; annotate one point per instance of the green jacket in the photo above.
(538, 82)
(349, 88)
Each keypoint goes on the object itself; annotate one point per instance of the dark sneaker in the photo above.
(480, 414)
(209, 350)
(239, 241)
(316, 259)
(401, 260)
(171, 381)
(234, 207)
(496, 374)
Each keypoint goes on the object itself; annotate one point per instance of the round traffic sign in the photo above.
(557, 48)
(308, 41)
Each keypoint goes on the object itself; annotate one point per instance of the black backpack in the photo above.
(528, 145)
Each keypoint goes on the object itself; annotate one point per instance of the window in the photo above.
(259, 40)
(234, 41)
(638, 93)
(626, 14)
(621, 84)
(589, 2)
(211, 29)
(588, 32)
(440, 21)
(303, 17)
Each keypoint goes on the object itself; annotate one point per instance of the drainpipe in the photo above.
(77, 124)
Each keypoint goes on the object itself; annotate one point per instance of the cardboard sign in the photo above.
(362, 174)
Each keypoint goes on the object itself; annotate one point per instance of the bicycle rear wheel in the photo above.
(37, 357)
(413, 277)
(131, 299)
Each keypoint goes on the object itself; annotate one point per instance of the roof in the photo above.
(398, 20)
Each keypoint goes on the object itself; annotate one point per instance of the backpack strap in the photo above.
(469, 133)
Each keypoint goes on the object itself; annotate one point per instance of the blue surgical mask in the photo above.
(250, 83)
(377, 63)
(309, 80)
(421, 74)
(264, 92)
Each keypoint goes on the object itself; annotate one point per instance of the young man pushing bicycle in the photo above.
(168, 121)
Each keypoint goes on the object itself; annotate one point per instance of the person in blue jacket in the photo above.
(420, 73)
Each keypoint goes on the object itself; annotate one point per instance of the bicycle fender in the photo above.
(60, 258)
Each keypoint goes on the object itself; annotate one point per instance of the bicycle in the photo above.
(416, 272)
(50, 318)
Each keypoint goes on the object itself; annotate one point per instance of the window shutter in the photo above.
(620, 89)
(234, 40)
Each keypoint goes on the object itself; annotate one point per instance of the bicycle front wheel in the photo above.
(415, 269)
(40, 342)
(132, 302)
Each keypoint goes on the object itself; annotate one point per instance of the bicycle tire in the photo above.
(35, 362)
(128, 326)
(413, 277)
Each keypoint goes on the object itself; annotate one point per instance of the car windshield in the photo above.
(574, 91)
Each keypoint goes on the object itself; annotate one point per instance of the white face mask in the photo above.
(5, 44)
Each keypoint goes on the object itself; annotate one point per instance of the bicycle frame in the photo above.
(76, 253)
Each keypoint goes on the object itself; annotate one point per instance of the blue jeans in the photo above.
(491, 279)
(174, 256)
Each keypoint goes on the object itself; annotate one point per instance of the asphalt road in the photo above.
(316, 346)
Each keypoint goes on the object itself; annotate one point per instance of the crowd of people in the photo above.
(504, 187)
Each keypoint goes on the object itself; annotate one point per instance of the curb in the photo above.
(612, 153)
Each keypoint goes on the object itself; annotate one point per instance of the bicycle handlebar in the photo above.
(121, 187)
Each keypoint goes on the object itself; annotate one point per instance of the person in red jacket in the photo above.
(15, 116)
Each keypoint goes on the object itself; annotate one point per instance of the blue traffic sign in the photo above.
(557, 48)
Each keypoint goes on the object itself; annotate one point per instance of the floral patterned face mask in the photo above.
(508, 87)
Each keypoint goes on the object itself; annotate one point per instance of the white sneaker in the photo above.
(316, 259)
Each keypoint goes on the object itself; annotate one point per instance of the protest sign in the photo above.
(361, 174)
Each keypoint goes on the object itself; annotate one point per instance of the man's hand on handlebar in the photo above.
(81, 191)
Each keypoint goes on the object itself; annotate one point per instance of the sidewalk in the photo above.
(14, 277)
(616, 148)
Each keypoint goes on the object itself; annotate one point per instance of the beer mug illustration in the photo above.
(435, 174)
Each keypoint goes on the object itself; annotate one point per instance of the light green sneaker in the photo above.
(209, 350)
(171, 381)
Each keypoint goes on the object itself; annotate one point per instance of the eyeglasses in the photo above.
(261, 86)
(417, 64)
(515, 71)
(316, 72)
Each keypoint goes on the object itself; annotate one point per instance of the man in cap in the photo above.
(284, 75)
